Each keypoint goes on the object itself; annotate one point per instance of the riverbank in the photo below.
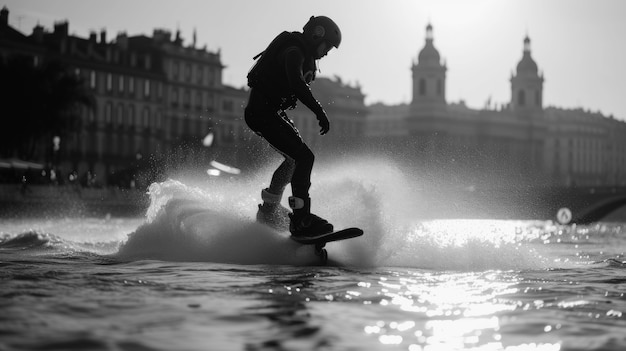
(70, 200)
(522, 204)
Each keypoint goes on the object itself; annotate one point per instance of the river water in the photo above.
(196, 273)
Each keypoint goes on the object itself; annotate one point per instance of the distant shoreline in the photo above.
(69, 200)
(501, 204)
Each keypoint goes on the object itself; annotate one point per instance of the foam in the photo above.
(213, 222)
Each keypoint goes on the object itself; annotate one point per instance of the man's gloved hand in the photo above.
(324, 123)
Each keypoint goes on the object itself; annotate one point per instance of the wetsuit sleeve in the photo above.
(294, 60)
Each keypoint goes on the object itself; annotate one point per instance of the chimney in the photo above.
(122, 40)
(61, 28)
(93, 37)
(103, 36)
(4, 17)
(161, 36)
(38, 33)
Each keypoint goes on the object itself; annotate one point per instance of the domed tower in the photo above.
(429, 77)
(527, 84)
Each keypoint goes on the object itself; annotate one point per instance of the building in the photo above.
(154, 98)
(520, 144)
(345, 106)
(159, 101)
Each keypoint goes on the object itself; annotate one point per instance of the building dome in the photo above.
(527, 64)
(429, 55)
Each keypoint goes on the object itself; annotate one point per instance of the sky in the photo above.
(579, 45)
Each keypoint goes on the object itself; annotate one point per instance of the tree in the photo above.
(37, 102)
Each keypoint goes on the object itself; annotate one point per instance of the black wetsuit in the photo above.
(279, 78)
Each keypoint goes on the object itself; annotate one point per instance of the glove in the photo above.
(324, 123)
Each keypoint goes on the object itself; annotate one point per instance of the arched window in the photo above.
(109, 82)
(521, 98)
(120, 82)
(422, 87)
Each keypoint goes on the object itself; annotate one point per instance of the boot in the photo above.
(272, 213)
(305, 224)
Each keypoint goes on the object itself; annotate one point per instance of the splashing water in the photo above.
(213, 222)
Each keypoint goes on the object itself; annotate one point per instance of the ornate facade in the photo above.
(521, 143)
(154, 97)
(157, 98)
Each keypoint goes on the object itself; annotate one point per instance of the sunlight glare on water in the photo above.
(446, 311)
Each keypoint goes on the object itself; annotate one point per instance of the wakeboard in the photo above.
(321, 240)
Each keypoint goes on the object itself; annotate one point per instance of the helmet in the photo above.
(323, 28)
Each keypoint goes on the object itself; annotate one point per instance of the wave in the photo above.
(35, 242)
(213, 222)
(29, 240)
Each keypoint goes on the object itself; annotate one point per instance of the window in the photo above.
(158, 120)
(108, 113)
(228, 105)
(175, 69)
(131, 85)
(422, 87)
(187, 101)
(439, 87)
(146, 88)
(208, 102)
(200, 74)
(146, 117)
(92, 79)
(148, 62)
(521, 98)
(130, 117)
(174, 97)
(199, 100)
(109, 82)
(120, 84)
(120, 115)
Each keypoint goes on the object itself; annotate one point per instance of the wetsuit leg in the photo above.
(280, 132)
(282, 176)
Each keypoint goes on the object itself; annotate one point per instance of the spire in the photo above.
(527, 64)
(527, 83)
(527, 44)
(429, 78)
(429, 56)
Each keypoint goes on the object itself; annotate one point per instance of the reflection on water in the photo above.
(283, 301)
(410, 309)
(445, 285)
(447, 311)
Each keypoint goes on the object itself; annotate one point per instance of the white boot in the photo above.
(272, 213)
